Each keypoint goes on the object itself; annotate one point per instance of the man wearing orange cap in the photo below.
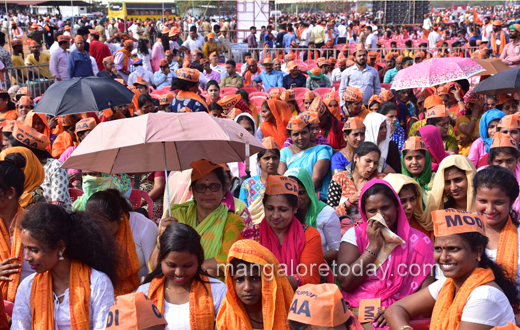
(79, 60)
(37, 58)
(511, 53)
(49, 29)
(15, 32)
(295, 78)
(123, 59)
(337, 72)
(434, 37)
(16, 57)
(390, 69)
(498, 39)
(361, 76)
(164, 77)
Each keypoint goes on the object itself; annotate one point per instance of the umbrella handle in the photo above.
(167, 183)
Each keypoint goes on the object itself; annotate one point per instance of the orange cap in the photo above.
(399, 58)
(214, 54)
(185, 109)
(389, 56)
(432, 101)
(229, 101)
(329, 97)
(320, 305)
(342, 61)
(510, 121)
(234, 113)
(94, 32)
(134, 311)
(414, 143)
(372, 54)
(473, 98)
(278, 185)
(63, 38)
(165, 30)
(8, 126)
(269, 143)
(16, 42)
(163, 62)
(292, 66)
(274, 94)
(360, 46)
(497, 23)
(67, 28)
(451, 221)
(129, 43)
(288, 95)
(501, 140)
(201, 168)
(353, 123)
(318, 106)
(78, 38)
(211, 36)
(315, 72)
(438, 111)
(25, 100)
(86, 124)
(188, 74)
(251, 61)
(419, 55)
(311, 116)
(309, 96)
(174, 32)
(386, 95)
(165, 99)
(375, 98)
(30, 137)
(297, 123)
(503, 98)
(353, 94)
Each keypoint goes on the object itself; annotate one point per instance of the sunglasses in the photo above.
(214, 187)
(164, 67)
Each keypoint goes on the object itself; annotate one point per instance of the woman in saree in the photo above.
(317, 214)
(187, 82)
(254, 300)
(206, 213)
(433, 140)
(468, 124)
(34, 177)
(308, 97)
(416, 163)
(305, 154)
(74, 259)
(314, 126)
(487, 129)
(378, 132)
(301, 246)
(354, 135)
(275, 115)
(329, 127)
(474, 293)
(362, 244)
(178, 285)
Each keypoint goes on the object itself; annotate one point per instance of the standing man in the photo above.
(511, 53)
(5, 58)
(232, 79)
(252, 43)
(112, 28)
(123, 59)
(487, 29)
(16, 32)
(427, 26)
(37, 58)
(206, 26)
(434, 37)
(331, 33)
(17, 60)
(98, 50)
(49, 29)
(139, 29)
(79, 60)
(305, 35)
(59, 59)
(288, 39)
(360, 75)
(225, 44)
(498, 39)
(342, 33)
(268, 37)
(318, 34)
(193, 42)
(102, 34)
(371, 41)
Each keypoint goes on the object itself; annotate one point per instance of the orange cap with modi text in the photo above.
(438, 111)
(311, 116)
(353, 123)
(201, 168)
(414, 143)
(297, 123)
(229, 101)
(280, 185)
(134, 311)
(320, 305)
(353, 94)
(188, 74)
(30, 137)
(451, 221)
(501, 140)
(510, 121)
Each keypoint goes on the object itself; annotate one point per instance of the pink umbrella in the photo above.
(436, 71)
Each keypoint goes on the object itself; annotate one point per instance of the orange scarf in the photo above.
(29, 119)
(249, 77)
(448, 308)
(126, 57)
(9, 115)
(42, 305)
(15, 250)
(128, 277)
(183, 95)
(507, 249)
(309, 55)
(202, 311)
(62, 143)
(330, 35)
(47, 27)
(277, 129)
(502, 42)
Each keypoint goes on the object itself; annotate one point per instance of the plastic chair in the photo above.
(258, 101)
(135, 199)
(322, 91)
(336, 85)
(263, 94)
(228, 89)
(228, 93)
(251, 89)
(281, 89)
(74, 194)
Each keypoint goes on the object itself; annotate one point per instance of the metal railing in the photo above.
(37, 78)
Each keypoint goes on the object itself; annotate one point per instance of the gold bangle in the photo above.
(405, 327)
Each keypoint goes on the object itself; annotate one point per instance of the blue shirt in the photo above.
(194, 105)
(275, 79)
(287, 39)
(161, 80)
(79, 64)
(268, 40)
(366, 80)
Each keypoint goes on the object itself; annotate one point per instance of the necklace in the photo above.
(261, 322)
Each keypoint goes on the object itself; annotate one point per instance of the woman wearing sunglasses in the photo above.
(206, 213)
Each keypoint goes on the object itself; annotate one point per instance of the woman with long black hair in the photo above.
(143, 53)
(187, 82)
(160, 47)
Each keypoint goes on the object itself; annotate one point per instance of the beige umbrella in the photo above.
(492, 66)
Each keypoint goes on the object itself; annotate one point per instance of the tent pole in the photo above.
(6, 12)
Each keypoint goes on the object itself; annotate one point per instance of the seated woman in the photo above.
(301, 246)
(475, 294)
(438, 116)
(39, 122)
(67, 138)
(361, 245)
(453, 186)
(389, 110)
(507, 104)
(374, 103)
(345, 186)
(354, 135)
(329, 127)
(254, 301)
(187, 81)
(468, 126)
(308, 97)
(378, 132)
(288, 97)
(252, 108)
(487, 129)
(331, 100)
(93, 182)
(7, 107)
(153, 184)
(206, 213)
(74, 259)
(409, 193)
(23, 106)
(317, 214)
(305, 154)
(178, 285)
(416, 163)
(275, 116)
(135, 235)
(314, 126)
(510, 125)
(212, 91)
(433, 140)
(34, 177)
(495, 191)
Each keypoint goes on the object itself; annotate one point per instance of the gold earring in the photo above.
(479, 258)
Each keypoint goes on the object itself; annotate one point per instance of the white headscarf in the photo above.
(373, 124)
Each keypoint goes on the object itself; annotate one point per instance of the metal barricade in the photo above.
(37, 78)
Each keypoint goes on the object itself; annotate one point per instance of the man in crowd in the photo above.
(40, 59)
(498, 39)
(269, 78)
(215, 66)
(225, 44)
(295, 78)
(79, 60)
(233, 79)
(337, 72)
(109, 69)
(98, 50)
(164, 77)
(252, 43)
(391, 69)
(123, 59)
(5, 58)
(16, 32)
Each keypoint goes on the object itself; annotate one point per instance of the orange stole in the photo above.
(15, 250)
(128, 271)
(183, 95)
(42, 306)
(202, 311)
(126, 57)
(494, 42)
(9, 115)
(507, 250)
(62, 142)
(448, 308)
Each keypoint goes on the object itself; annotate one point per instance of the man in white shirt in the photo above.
(427, 23)
(342, 33)
(331, 33)
(337, 72)
(434, 37)
(305, 36)
(215, 66)
(15, 31)
(371, 41)
(193, 41)
(487, 29)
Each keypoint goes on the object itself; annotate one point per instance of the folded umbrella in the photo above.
(504, 82)
(79, 95)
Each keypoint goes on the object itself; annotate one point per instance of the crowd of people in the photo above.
(369, 208)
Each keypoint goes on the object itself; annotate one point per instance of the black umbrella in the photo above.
(80, 95)
(504, 82)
